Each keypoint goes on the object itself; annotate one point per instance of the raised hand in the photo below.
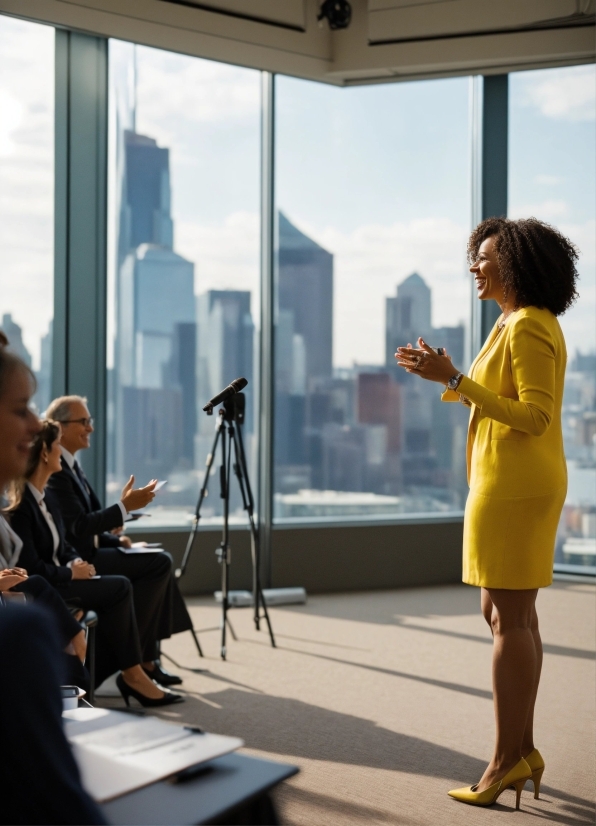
(425, 362)
(133, 499)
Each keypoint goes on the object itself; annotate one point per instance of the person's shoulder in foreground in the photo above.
(40, 779)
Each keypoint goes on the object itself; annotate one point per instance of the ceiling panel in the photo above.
(402, 20)
(289, 13)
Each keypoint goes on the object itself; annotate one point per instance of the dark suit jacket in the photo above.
(83, 516)
(28, 522)
(40, 779)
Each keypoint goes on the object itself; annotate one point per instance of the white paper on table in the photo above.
(117, 753)
(141, 548)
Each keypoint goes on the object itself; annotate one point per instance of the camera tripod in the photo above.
(229, 431)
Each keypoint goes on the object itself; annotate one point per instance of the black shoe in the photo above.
(161, 676)
(128, 692)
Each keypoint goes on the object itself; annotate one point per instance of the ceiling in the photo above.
(387, 40)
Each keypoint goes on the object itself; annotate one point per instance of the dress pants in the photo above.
(117, 640)
(39, 780)
(44, 594)
(159, 606)
(174, 616)
(36, 588)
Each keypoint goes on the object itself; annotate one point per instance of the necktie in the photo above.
(82, 478)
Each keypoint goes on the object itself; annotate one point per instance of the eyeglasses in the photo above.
(85, 422)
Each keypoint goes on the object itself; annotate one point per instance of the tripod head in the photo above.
(233, 409)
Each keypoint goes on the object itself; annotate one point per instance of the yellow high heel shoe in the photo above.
(536, 763)
(516, 777)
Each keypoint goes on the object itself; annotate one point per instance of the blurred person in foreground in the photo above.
(19, 423)
(159, 606)
(39, 781)
(516, 468)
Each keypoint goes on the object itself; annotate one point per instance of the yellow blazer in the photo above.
(515, 384)
(516, 465)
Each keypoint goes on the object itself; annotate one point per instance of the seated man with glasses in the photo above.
(159, 606)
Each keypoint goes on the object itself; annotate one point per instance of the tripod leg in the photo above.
(203, 493)
(197, 643)
(224, 624)
(261, 599)
(232, 632)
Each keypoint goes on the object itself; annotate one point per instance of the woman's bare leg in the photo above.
(136, 678)
(79, 643)
(514, 676)
(528, 741)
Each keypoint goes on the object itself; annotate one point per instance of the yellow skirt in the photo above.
(510, 543)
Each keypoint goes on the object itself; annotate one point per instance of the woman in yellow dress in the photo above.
(516, 468)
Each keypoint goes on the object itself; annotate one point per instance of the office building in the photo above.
(305, 289)
(225, 347)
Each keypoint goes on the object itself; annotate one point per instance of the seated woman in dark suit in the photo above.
(36, 519)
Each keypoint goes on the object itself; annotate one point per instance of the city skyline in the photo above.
(373, 212)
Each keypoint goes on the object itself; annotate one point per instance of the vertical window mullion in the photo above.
(266, 411)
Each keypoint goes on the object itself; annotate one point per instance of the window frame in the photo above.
(80, 267)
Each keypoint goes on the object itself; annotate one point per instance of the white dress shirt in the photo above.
(38, 496)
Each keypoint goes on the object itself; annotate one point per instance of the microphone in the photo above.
(234, 387)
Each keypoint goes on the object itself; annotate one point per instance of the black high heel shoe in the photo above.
(161, 676)
(148, 702)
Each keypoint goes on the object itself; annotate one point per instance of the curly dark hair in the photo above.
(536, 262)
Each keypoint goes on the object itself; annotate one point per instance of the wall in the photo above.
(328, 558)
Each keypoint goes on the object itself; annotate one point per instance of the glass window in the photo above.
(551, 176)
(27, 195)
(184, 176)
(373, 213)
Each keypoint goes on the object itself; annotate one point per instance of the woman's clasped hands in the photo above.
(9, 577)
(82, 570)
(425, 362)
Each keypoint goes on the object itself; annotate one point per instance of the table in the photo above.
(221, 791)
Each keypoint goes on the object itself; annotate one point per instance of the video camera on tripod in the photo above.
(228, 434)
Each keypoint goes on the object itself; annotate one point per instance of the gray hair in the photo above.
(59, 409)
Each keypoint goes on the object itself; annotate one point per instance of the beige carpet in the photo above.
(383, 700)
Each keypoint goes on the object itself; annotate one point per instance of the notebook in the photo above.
(118, 752)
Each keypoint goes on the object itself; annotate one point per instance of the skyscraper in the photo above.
(408, 315)
(155, 348)
(147, 192)
(303, 353)
(225, 345)
(305, 288)
(14, 334)
(156, 292)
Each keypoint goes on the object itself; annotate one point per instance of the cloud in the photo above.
(369, 264)
(561, 94)
(548, 180)
(226, 256)
(548, 210)
(189, 92)
(27, 176)
(12, 115)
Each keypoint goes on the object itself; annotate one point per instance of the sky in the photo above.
(379, 176)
